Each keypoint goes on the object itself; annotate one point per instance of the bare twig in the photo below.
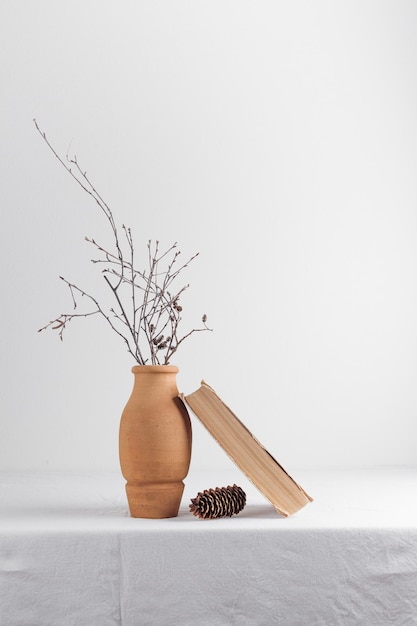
(146, 324)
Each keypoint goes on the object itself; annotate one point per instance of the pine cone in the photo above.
(219, 502)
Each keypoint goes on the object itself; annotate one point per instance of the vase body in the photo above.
(154, 443)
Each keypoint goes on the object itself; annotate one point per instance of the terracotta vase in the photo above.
(154, 443)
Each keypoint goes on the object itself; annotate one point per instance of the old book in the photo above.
(244, 449)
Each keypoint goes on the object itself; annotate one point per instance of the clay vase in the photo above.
(154, 443)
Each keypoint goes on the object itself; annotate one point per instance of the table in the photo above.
(71, 555)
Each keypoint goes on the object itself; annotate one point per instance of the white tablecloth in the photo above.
(71, 555)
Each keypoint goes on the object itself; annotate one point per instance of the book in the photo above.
(246, 451)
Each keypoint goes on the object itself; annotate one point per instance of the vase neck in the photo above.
(156, 379)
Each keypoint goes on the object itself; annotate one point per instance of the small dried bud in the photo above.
(204, 318)
(175, 305)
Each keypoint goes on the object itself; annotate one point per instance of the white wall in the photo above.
(276, 138)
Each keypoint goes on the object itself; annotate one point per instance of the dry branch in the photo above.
(147, 310)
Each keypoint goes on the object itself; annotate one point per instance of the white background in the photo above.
(278, 139)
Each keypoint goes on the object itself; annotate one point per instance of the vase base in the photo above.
(154, 500)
